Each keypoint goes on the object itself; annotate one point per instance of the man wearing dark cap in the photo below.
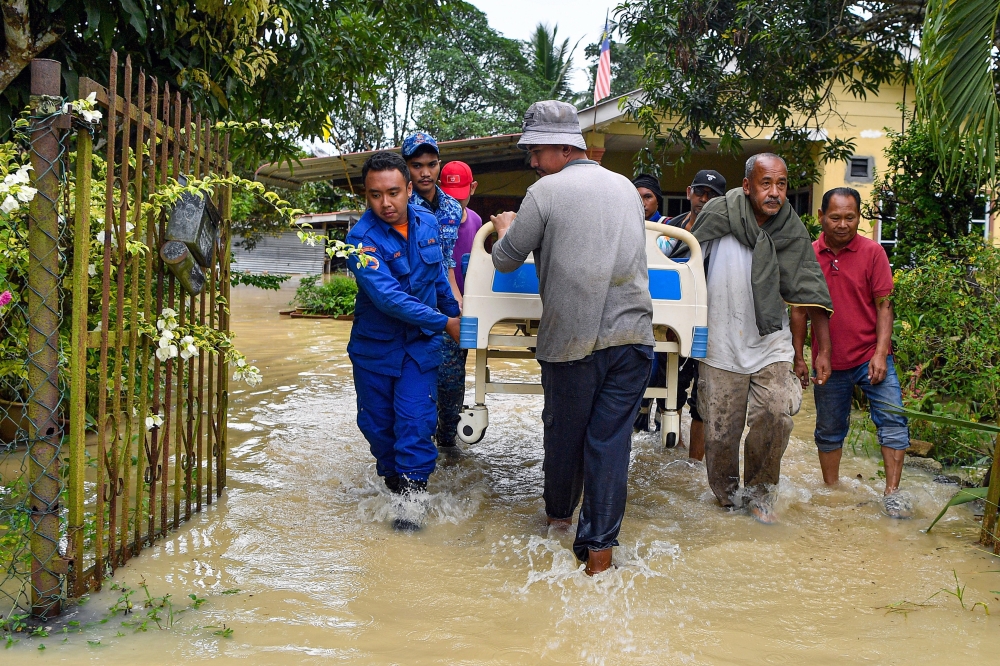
(584, 225)
(649, 191)
(707, 185)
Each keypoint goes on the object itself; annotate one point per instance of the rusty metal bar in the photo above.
(43, 341)
(102, 377)
(142, 441)
(78, 361)
(224, 287)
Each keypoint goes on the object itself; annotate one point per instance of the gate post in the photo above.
(45, 433)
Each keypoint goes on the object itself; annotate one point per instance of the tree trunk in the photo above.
(21, 46)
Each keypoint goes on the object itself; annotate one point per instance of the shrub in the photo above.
(947, 344)
(333, 297)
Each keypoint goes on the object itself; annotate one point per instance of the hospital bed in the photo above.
(680, 317)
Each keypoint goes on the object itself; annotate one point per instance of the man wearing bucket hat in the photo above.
(585, 226)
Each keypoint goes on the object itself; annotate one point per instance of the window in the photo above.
(674, 205)
(980, 222)
(799, 200)
(860, 169)
(886, 228)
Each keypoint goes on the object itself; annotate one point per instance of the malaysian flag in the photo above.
(602, 86)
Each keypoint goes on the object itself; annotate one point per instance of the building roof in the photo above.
(485, 155)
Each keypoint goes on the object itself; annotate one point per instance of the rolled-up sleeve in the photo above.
(523, 237)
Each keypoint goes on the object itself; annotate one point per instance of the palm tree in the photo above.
(957, 87)
(551, 63)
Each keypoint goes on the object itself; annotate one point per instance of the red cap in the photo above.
(456, 179)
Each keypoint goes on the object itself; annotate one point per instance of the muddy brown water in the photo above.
(300, 561)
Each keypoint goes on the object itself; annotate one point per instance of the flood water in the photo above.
(299, 558)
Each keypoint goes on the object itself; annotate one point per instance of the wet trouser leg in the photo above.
(773, 396)
(590, 405)
(397, 416)
(451, 390)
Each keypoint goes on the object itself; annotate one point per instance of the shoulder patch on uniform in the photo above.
(373, 263)
(369, 248)
(398, 254)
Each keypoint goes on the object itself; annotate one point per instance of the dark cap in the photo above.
(652, 184)
(711, 179)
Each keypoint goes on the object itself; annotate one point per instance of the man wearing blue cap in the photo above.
(420, 151)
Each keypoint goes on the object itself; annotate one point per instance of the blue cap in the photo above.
(414, 141)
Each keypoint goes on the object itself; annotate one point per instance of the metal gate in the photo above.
(105, 445)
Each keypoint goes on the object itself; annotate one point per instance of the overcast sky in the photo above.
(575, 18)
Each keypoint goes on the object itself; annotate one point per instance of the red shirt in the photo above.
(857, 277)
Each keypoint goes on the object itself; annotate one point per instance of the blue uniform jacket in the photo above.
(404, 298)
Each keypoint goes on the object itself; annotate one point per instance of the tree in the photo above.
(282, 60)
(551, 62)
(463, 81)
(915, 206)
(956, 86)
(730, 67)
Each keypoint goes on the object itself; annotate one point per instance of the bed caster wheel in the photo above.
(472, 424)
(670, 428)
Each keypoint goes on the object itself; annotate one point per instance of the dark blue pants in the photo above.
(397, 416)
(590, 405)
(451, 390)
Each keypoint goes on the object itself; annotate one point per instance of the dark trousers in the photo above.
(451, 390)
(590, 405)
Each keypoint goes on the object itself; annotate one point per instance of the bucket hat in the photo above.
(551, 123)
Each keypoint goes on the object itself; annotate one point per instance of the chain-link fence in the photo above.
(112, 400)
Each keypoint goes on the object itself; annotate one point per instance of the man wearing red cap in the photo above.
(456, 182)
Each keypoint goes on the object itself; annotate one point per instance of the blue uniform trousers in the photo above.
(590, 405)
(451, 390)
(397, 416)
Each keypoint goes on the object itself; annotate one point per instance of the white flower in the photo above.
(168, 313)
(21, 175)
(165, 338)
(99, 236)
(91, 270)
(265, 122)
(241, 363)
(166, 353)
(9, 205)
(26, 194)
(188, 348)
(91, 116)
(154, 421)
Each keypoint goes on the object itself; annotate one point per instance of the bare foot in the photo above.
(763, 513)
(562, 524)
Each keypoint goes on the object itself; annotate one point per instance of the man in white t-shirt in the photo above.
(757, 262)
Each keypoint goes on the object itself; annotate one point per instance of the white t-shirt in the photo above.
(733, 341)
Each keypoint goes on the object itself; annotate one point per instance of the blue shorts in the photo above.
(833, 408)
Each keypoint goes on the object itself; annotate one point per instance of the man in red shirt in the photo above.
(860, 280)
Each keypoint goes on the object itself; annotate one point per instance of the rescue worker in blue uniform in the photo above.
(404, 303)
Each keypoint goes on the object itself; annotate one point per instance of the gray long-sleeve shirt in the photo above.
(586, 228)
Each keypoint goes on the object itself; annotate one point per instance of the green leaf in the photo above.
(963, 496)
(137, 17)
(936, 418)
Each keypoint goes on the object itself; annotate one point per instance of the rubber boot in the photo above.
(408, 488)
(598, 561)
(393, 484)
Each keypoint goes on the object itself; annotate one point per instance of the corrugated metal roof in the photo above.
(485, 155)
(284, 253)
